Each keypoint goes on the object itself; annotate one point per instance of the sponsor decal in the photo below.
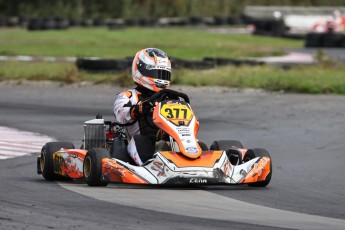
(191, 150)
(160, 167)
(171, 103)
(227, 168)
(197, 181)
(259, 167)
(66, 165)
(74, 155)
(58, 163)
(111, 168)
(119, 171)
(184, 131)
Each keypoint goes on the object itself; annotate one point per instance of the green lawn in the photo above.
(307, 79)
(188, 43)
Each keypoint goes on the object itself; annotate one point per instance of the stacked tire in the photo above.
(327, 40)
(36, 24)
(91, 64)
(270, 27)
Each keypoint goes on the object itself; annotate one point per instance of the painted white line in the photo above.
(202, 204)
(14, 143)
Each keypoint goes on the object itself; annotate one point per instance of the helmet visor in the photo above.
(153, 72)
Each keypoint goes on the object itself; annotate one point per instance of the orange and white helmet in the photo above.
(151, 68)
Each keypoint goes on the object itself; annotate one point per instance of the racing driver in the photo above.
(151, 71)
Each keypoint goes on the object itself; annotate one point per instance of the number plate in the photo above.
(177, 112)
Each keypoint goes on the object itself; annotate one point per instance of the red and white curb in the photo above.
(292, 57)
(15, 143)
(37, 59)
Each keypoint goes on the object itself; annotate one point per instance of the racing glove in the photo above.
(143, 107)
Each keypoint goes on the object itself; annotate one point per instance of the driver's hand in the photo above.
(143, 107)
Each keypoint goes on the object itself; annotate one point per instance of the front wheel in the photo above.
(225, 145)
(92, 167)
(253, 153)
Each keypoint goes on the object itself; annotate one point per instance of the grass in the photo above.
(188, 43)
(185, 43)
(304, 79)
(64, 72)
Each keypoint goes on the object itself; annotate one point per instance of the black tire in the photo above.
(102, 64)
(342, 41)
(35, 24)
(203, 146)
(225, 145)
(48, 24)
(253, 153)
(332, 40)
(92, 167)
(162, 146)
(46, 158)
(313, 40)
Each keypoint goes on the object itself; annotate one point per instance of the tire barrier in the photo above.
(35, 24)
(232, 61)
(98, 64)
(327, 40)
(269, 27)
(92, 64)
(40, 23)
(191, 64)
(263, 26)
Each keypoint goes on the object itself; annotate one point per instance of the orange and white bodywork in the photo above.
(69, 162)
(171, 168)
(185, 164)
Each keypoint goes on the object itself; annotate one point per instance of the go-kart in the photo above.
(180, 158)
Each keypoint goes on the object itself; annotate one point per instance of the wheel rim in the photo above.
(42, 161)
(87, 167)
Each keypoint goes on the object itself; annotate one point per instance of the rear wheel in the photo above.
(93, 166)
(253, 153)
(225, 144)
(46, 158)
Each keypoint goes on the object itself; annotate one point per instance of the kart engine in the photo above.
(94, 134)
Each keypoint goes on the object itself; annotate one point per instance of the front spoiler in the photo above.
(162, 171)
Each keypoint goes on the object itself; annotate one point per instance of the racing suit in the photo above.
(140, 134)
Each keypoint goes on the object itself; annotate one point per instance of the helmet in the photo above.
(151, 68)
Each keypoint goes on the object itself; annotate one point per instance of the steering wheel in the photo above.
(161, 96)
(167, 93)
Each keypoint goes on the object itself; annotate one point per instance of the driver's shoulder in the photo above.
(131, 94)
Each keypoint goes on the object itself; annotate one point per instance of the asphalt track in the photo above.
(304, 134)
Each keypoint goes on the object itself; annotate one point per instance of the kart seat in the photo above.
(119, 150)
